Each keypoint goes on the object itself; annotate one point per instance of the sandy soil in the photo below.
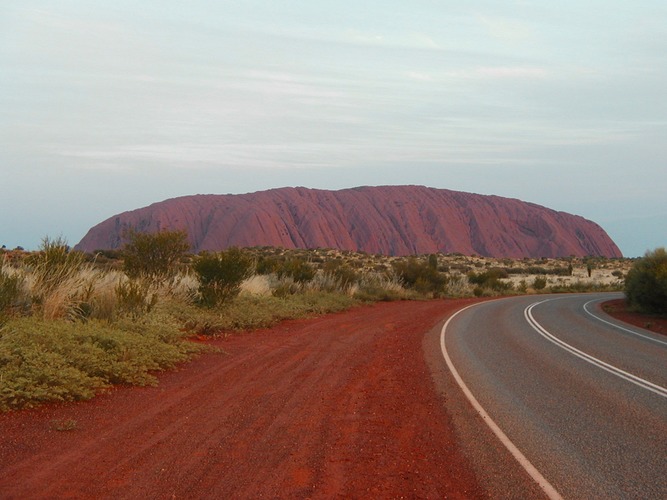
(617, 309)
(342, 406)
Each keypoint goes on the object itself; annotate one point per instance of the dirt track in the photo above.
(341, 406)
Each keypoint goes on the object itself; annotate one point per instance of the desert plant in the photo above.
(60, 280)
(221, 274)
(53, 265)
(539, 283)
(135, 297)
(43, 361)
(154, 256)
(10, 293)
(491, 279)
(646, 282)
(421, 276)
(341, 272)
(296, 268)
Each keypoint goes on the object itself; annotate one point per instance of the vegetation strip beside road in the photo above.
(72, 324)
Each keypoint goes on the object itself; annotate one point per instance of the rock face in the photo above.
(391, 220)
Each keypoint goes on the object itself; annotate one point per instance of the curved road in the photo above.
(580, 398)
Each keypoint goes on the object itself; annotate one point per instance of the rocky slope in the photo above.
(393, 220)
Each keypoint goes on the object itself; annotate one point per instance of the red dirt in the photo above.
(618, 309)
(342, 406)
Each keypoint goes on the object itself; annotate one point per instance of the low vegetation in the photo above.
(646, 283)
(73, 324)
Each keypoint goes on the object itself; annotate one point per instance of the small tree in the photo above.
(646, 282)
(421, 276)
(221, 274)
(154, 256)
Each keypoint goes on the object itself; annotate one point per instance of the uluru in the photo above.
(389, 220)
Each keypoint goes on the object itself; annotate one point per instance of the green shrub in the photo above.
(421, 276)
(154, 257)
(296, 268)
(42, 361)
(135, 297)
(10, 293)
(221, 274)
(491, 279)
(341, 272)
(646, 282)
(539, 283)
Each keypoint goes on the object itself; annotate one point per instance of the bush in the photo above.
(539, 283)
(221, 274)
(491, 279)
(154, 257)
(343, 273)
(646, 283)
(297, 269)
(135, 298)
(10, 293)
(42, 361)
(421, 276)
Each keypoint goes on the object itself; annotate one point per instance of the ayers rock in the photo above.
(390, 220)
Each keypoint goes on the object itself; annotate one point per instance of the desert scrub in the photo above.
(247, 312)
(221, 275)
(154, 256)
(44, 361)
(646, 283)
(60, 280)
(11, 295)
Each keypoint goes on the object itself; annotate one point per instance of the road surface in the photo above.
(581, 398)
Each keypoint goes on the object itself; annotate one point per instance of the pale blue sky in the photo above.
(110, 106)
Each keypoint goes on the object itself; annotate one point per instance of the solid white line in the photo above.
(645, 384)
(619, 326)
(548, 489)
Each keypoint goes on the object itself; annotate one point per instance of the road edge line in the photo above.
(628, 330)
(532, 471)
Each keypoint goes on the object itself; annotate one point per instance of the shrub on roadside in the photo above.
(42, 361)
(11, 286)
(296, 268)
(221, 275)
(491, 279)
(154, 257)
(61, 282)
(539, 283)
(646, 282)
(135, 297)
(423, 277)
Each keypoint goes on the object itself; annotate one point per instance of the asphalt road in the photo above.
(583, 401)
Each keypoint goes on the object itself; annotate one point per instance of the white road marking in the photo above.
(645, 384)
(548, 489)
(619, 326)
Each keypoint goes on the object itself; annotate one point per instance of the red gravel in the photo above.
(342, 406)
(618, 309)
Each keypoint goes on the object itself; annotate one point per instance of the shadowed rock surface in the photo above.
(390, 220)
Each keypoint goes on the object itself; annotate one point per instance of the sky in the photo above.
(107, 106)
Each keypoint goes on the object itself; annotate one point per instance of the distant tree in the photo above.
(646, 282)
(154, 256)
